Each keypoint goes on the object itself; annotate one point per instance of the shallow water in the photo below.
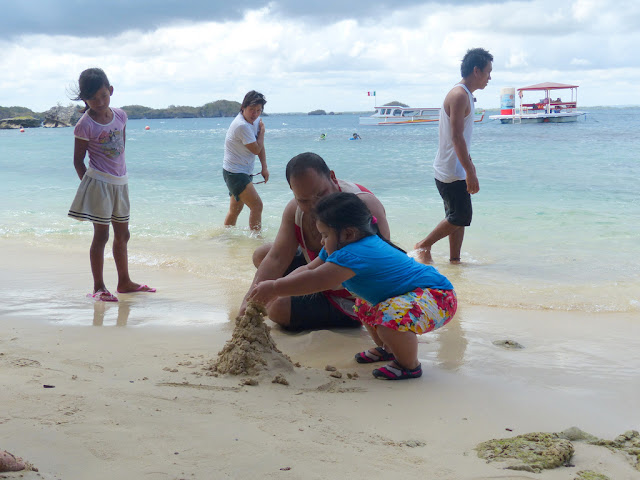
(556, 223)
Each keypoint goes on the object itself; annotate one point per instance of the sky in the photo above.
(307, 55)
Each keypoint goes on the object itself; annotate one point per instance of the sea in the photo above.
(556, 223)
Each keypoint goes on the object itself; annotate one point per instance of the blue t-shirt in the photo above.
(383, 271)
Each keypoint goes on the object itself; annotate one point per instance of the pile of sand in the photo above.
(251, 348)
(10, 463)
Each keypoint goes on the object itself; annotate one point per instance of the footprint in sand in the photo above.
(25, 362)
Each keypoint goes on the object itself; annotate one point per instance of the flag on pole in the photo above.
(371, 94)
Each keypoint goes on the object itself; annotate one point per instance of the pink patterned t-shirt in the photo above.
(106, 142)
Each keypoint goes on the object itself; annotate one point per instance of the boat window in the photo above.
(408, 113)
(397, 113)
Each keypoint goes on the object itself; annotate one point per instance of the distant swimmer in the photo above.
(323, 136)
(355, 137)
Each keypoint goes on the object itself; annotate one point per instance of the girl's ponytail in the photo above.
(374, 224)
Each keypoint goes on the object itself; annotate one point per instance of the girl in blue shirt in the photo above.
(398, 298)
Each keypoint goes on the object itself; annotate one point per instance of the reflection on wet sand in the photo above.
(452, 344)
(101, 308)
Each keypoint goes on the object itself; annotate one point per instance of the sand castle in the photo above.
(251, 348)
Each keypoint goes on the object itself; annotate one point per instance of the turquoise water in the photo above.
(556, 222)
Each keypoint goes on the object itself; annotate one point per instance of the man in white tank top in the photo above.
(454, 171)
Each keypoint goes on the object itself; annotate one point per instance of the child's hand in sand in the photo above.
(264, 292)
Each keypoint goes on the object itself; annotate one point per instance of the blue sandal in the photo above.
(395, 371)
(368, 357)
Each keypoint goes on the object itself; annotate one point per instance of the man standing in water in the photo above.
(455, 173)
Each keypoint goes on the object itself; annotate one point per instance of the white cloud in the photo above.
(412, 55)
(580, 62)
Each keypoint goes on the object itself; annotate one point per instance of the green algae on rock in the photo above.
(628, 442)
(590, 475)
(508, 344)
(532, 452)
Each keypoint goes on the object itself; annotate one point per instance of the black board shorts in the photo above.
(236, 182)
(457, 202)
(315, 311)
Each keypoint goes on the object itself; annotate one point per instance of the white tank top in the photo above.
(447, 168)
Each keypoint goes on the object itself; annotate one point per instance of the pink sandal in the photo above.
(103, 296)
(395, 371)
(369, 357)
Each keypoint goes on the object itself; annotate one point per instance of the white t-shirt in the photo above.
(447, 168)
(237, 157)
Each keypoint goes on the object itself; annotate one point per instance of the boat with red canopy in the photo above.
(545, 110)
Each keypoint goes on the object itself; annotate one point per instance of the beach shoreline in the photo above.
(130, 397)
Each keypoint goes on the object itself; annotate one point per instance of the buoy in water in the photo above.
(22, 130)
(147, 127)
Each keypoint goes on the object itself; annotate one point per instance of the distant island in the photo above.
(59, 116)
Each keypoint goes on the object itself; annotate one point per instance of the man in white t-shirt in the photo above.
(245, 140)
(454, 172)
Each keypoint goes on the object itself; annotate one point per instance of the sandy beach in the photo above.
(129, 396)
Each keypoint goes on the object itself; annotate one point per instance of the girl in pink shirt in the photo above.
(103, 194)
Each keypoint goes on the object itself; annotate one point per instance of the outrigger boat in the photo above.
(397, 115)
(546, 110)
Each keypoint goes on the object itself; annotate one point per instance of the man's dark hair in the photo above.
(305, 161)
(253, 98)
(476, 57)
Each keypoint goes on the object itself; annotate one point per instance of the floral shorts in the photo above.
(419, 311)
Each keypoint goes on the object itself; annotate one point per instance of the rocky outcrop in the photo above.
(317, 112)
(532, 452)
(19, 122)
(60, 116)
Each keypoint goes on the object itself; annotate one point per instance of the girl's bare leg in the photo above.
(96, 256)
(121, 237)
(403, 345)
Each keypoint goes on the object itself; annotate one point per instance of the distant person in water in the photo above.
(245, 140)
(103, 195)
(455, 173)
(355, 137)
(323, 136)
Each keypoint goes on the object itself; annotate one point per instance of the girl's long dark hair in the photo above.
(90, 81)
(342, 210)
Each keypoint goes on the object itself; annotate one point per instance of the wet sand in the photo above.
(132, 397)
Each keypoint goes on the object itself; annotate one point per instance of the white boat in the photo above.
(397, 115)
(546, 110)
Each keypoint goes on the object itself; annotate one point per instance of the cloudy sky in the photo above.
(305, 55)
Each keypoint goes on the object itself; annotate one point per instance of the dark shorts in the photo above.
(457, 202)
(236, 182)
(315, 311)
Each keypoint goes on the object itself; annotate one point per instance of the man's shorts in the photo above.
(457, 202)
(236, 183)
(315, 311)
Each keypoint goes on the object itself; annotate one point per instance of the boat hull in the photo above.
(431, 119)
(539, 118)
(396, 121)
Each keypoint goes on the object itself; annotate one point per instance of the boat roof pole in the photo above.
(548, 101)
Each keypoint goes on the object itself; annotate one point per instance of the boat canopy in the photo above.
(547, 86)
